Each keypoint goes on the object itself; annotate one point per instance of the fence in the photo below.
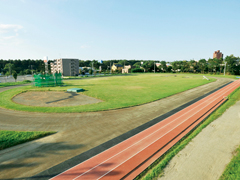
(46, 80)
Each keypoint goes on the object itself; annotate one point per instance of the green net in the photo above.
(46, 80)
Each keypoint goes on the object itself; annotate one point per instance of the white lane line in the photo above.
(229, 88)
(148, 145)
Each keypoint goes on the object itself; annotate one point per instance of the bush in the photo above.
(90, 71)
(136, 70)
(27, 81)
(118, 71)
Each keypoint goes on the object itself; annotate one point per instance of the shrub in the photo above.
(27, 81)
(118, 71)
(90, 71)
(136, 70)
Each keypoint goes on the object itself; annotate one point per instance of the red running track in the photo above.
(128, 158)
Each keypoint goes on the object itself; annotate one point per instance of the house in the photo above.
(117, 67)
(158, 64)
(126, 69)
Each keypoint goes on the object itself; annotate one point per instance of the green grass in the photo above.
(156, 169)
(232, 170)
(13, 83)
(115, 92)
(93, 76)
(213, 75)
(222, 76)
(12, 138)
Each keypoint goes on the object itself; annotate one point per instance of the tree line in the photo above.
(212, 66)
(22, 67)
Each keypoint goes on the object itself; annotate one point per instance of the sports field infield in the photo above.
(114, 92)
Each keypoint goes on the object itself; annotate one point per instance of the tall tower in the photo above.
(217, 54)
(45, 60)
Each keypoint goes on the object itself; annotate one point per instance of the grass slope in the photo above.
(12, 138)
(116, 92)
(156, 169)
(232, 170)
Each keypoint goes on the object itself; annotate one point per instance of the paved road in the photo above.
(19, 78)
(77, 132)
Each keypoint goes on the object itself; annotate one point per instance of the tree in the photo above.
(9, 67)
(163, 66)
(15, 75)
(169, 69)
(145, 66)
(175, 66)
(232, 64)
(137, 64)
(27, 71)
(193, 67)
(202, 65)
(185, 66)
(124, 62)
(7, 73)
(90, 71)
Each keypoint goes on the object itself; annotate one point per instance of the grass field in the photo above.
(13, 83)
(233, 169)
(12, 138)
(115, 92)
(220, 76)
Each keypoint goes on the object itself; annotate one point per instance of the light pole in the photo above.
(154, 66)
(92, 67)
(110, 68)
(225, 68)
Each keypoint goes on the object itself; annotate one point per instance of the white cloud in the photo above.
(9, 34)
(84, 46)
(8, 37)
(6, 28)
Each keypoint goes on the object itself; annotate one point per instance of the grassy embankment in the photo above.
(12, 138)
(233, 169)
(115, 92)
(14, 83)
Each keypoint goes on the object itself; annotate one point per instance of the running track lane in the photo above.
(137, 170)
(122, 159)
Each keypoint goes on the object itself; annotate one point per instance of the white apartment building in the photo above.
(66, 66)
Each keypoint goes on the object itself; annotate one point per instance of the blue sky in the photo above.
(118, 29)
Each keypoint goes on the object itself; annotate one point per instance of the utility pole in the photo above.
(10, 70)
(110, 68)
(154, 66)
(92, 68)
(225, 68)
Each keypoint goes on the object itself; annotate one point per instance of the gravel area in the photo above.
(53, 99)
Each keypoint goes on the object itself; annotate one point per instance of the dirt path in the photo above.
(77, 132)
(207, 155)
